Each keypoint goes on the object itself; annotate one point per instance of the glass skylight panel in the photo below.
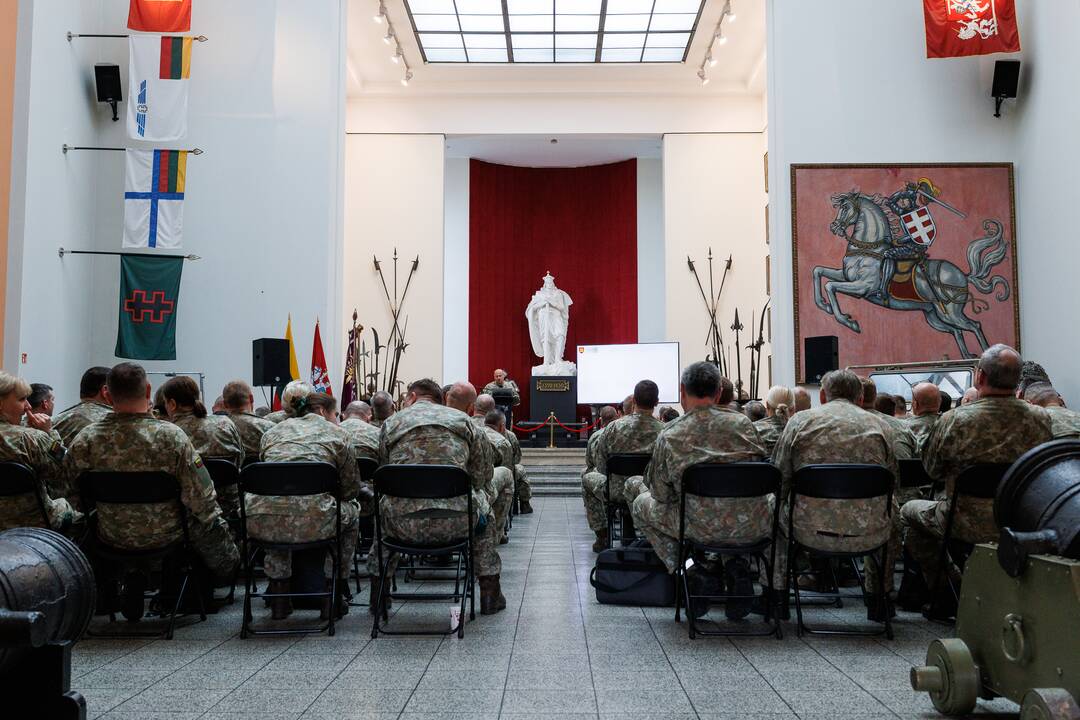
(554, 31)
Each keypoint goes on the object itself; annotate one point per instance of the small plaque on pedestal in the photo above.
(553, 394)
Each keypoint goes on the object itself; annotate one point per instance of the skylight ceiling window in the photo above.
(554, 31)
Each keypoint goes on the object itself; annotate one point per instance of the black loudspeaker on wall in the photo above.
(1006, 82)
(820, 355)
(107, 79)
(270, 362)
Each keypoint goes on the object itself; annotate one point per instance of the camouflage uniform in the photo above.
(521, 478)
(590, 478)
(1064, 422)
(769, 430)
(500, 490)
(703, 435)
(364, 437)
(634, 433)
(920, 427)
(306, 519)
(428, 434)
(277, 416)
(215, 437)
(126, 442)
(988, 430)
(836, 432)
(71, 421)
(251, 428)
(903, 441)
(510, 385)
(43, 453)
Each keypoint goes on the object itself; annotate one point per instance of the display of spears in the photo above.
(363, 358)
(396, 343)
(715, 339)
(755, 353)
(737, 327)
(374, 376)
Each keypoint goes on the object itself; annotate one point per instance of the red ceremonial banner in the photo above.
(165, 16)
(959, 28)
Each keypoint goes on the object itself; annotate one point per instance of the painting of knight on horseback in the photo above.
(898, 234)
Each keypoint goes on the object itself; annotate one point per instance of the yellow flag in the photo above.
(294, 367)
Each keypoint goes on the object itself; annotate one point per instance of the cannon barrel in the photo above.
(1037, 505)
(47, 592)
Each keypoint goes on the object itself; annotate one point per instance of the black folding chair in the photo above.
(226, 475)
(841, 482)
(289, 479)
(366, 524)
(976, 483)
(625, 465)
(425, 482)
(729, 481)
(17, 479)
(913, 475)
(142, 488)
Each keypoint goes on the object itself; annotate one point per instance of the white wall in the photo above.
(652, 285)
(263, 203)
(1047, 191)
(394, 198)
(714, 196)
(853, 85)
(456, 272)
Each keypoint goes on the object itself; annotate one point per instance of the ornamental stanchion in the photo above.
(551, 432)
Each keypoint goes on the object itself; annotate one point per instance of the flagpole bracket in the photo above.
(66, 147)
(60, 252)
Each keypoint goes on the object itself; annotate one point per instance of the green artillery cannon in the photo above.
(1018, 624)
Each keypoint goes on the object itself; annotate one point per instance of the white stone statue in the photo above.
(549, 317)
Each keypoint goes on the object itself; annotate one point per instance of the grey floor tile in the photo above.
(648, 700)
(100, 701)
(256, 698)
(108, 677)
(728, 699)
(349, 702)
(149, 715)
(160, 697)
(549, 701)
(478, 700)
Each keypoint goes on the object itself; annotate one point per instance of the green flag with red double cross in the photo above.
(149, 293)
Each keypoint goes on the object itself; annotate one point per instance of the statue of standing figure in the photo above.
(549, 317)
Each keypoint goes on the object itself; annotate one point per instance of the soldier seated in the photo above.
(92, 406)
(382, 407)
(755, 410)
(212, 436)
(706, 433)
(484, 405)
(779, 405)
(995, 427)
(41, 399)
(925, 404)
(130, 440)
(239, 401)
(632, 433)
(667, 414)
(836, 432)
(1065, 423)
(594, 511)
(37, 446)
(426, 432)
(500, 489)
(364, 435)
(308, 434)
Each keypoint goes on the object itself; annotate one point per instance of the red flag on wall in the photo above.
(320, 378)
(160, 16)
(956, 28)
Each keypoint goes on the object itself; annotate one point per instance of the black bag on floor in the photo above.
(632, 576)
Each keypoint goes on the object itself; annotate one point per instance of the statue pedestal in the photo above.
(553, 394)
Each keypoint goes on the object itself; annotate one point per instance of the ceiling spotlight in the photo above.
(408, 76)
(381, 15)
(396, 57)
(710, 59)
(720, 38)
(388, 37)
(703, 77)
(731, 16)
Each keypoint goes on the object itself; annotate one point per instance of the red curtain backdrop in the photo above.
(578, 223)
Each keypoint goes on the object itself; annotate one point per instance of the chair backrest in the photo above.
(367, 467)
(913, 473)
(16, 479)
(128, 488)
(731, 480)
(223, 472)
(843, 481)
(290, 478)
(981, 480)
(422, 482)
(628, 464)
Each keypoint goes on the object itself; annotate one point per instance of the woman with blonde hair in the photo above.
(308, 434)
(212, 436)
(779, 405)
(37, 446)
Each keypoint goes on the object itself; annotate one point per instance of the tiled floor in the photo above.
(554, 653)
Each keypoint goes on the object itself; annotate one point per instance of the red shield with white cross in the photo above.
(919, 225)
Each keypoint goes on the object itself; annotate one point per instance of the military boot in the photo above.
(740, 587)
(603, 541)
(280, 607)
(339, 600)
(629, 534)
(491, 597)
(524, 508)
(374, 596)
(131, 606)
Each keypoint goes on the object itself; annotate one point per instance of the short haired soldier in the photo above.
(594, 511)
(1065, 423)
(239, 400)
(212, 436)
(500, 489)
(92, 406)
(779, 406)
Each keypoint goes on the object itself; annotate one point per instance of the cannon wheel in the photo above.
(1049, 704)
(960, 686)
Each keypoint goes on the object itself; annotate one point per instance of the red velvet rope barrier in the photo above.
(582, 430)
(532, 429)
(545, 424)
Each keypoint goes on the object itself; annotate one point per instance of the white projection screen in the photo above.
(608, 373)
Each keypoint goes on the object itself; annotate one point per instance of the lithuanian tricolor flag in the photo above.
(175, 58)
